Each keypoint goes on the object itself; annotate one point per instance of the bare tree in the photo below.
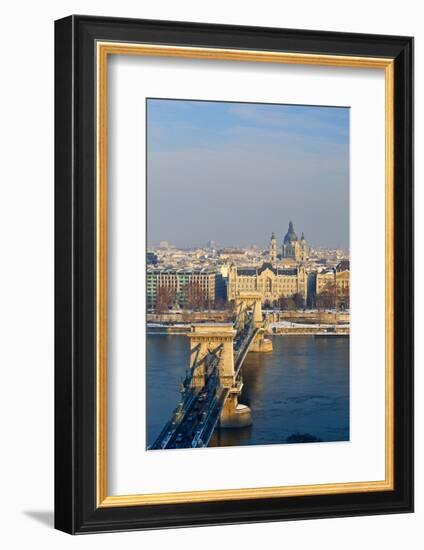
(286, 303)
(326, 299)
(299, 300)
(195, 297)
(165, 298)
(221, 304)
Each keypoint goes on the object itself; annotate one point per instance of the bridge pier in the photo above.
(261, 344)
(234, 414)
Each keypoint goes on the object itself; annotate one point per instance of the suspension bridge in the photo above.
(213, 384)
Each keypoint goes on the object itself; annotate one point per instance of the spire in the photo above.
(302, 238)
(291, 229)
(273, 248)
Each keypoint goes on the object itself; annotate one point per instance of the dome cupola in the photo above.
(290, 235)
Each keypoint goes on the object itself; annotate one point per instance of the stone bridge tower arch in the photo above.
(249, 301)
(212, 338)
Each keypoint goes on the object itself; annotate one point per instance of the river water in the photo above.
(302, 387)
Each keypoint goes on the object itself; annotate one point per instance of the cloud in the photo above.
(235, 172)
(330, 122)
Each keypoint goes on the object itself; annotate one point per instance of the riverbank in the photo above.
(304, 316)
(185, 317)
(308, 316)
(287, 327)
(277, 329)
(158, 328)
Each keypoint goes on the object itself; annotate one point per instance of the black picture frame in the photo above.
(76, 510)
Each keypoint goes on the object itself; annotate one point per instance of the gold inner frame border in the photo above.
(103, 50)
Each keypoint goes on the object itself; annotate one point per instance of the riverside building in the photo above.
(270, 281)
(178, 283)
(335, 282)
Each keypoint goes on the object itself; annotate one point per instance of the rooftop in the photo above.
(253, 271)
(182, 271)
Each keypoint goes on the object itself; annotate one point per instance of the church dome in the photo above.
(290, 235)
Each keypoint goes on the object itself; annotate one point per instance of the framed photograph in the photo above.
(234, 274)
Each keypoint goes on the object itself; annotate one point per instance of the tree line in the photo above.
(193, 297)
(333, 297)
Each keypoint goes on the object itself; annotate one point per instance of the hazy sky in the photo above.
(235, 172)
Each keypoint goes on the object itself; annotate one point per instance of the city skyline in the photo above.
(235, 172)
(232, 245)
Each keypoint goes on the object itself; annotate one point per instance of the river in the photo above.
(302, 387)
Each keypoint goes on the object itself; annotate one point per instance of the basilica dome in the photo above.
(290, 235)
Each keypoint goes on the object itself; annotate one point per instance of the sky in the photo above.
(236, 172)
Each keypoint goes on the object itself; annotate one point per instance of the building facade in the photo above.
(178, 287)
(336, 283)
(271, 282)
(343, 284)
(325, 280)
